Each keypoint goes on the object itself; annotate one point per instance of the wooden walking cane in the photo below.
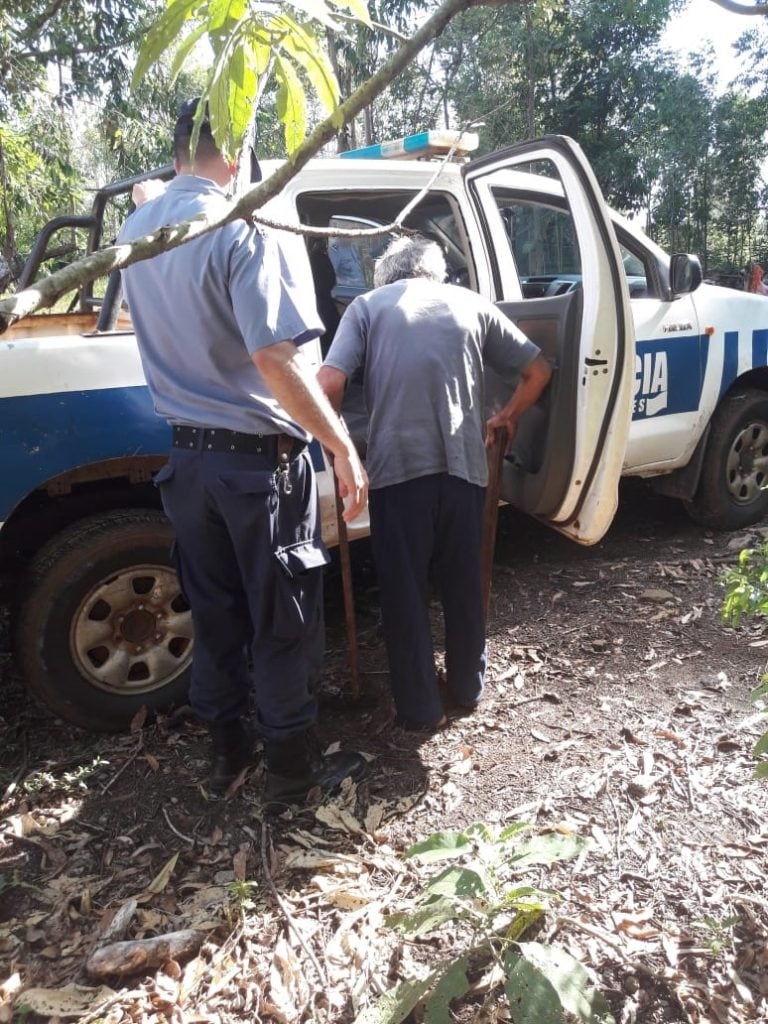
(346, 586)
(495, 455)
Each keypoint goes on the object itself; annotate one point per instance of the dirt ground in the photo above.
(617, 710)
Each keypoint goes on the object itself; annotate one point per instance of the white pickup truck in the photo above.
(656, 375)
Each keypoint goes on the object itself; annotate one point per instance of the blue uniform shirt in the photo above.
(202, 309)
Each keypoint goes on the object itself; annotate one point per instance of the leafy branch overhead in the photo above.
(44, 293)
(250, 43)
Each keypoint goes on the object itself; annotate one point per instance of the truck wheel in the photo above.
(103, 627)
(732, 490)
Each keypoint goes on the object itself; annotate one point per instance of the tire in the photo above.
(732, 489)
(103, 627)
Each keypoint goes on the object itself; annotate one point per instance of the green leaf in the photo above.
(185, 47)
(522, 892)
(426, 918)
(307, 51)
(761, 772)
(358, 8)
(441, 846)
(462, 883)
(394, 1006)
(290, 104)
(479, 830)
(223, 15)
(761, 747)
(524, 919)
(317, 9)
(243, 82)
(532, 999)
(218, 106)
(261, 51)
(570, 981)
(163, 34)
(452, 985)
(512, 830)
(546, 849)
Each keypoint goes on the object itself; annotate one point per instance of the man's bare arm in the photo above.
(292, 381)
(333, 382)
(533, 379)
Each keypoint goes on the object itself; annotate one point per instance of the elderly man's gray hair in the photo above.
(410, 256)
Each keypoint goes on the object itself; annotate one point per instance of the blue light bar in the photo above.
(432, 143)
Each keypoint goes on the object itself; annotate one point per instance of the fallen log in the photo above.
(119, 959)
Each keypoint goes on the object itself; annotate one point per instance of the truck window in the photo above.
(546, 252)
(342, 268)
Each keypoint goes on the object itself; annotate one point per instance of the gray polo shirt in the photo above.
(201, 310)
(423, 346)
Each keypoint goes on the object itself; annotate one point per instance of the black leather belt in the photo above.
(216, 439)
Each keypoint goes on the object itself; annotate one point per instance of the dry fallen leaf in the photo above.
(138, 720)
(161, 880)
(338, 818)
(69, 1001)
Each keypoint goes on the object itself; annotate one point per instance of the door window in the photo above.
(543, 244)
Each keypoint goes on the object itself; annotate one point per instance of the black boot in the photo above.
(231, 751)
(295, 766)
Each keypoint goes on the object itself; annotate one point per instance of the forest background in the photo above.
(668, 141)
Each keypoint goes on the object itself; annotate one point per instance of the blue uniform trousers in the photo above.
(430, 525)
(250, 560)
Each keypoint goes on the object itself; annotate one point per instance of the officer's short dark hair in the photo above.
(182, 133)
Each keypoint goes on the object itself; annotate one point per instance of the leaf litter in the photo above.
(616, 711)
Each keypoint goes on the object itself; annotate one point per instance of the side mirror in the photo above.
(684, 274)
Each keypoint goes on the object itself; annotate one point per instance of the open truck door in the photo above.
(566, 462)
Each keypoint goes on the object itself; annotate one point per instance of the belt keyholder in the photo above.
(283, 474)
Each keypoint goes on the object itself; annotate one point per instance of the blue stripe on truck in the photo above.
(669, 375)
(42, 436)
(760, 347)
(730, 360)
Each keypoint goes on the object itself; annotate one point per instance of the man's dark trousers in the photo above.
(430, 526)
(250, 562)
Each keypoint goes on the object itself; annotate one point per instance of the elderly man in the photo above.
(219, 323)
(422, 345)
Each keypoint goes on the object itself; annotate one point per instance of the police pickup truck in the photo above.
(657, 374)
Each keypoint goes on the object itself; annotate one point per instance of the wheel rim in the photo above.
(747, 463)
(132, 633)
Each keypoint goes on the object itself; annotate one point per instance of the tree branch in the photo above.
(44, 293)
(737, 8)
(339, 16)
(34, 28)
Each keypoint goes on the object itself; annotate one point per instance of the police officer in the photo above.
(422, 345)
(220, 323)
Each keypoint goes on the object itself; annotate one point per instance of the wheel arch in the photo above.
(63, 499)
(755, 378)
(684, 482)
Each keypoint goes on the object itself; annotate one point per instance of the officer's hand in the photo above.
(353, 483)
